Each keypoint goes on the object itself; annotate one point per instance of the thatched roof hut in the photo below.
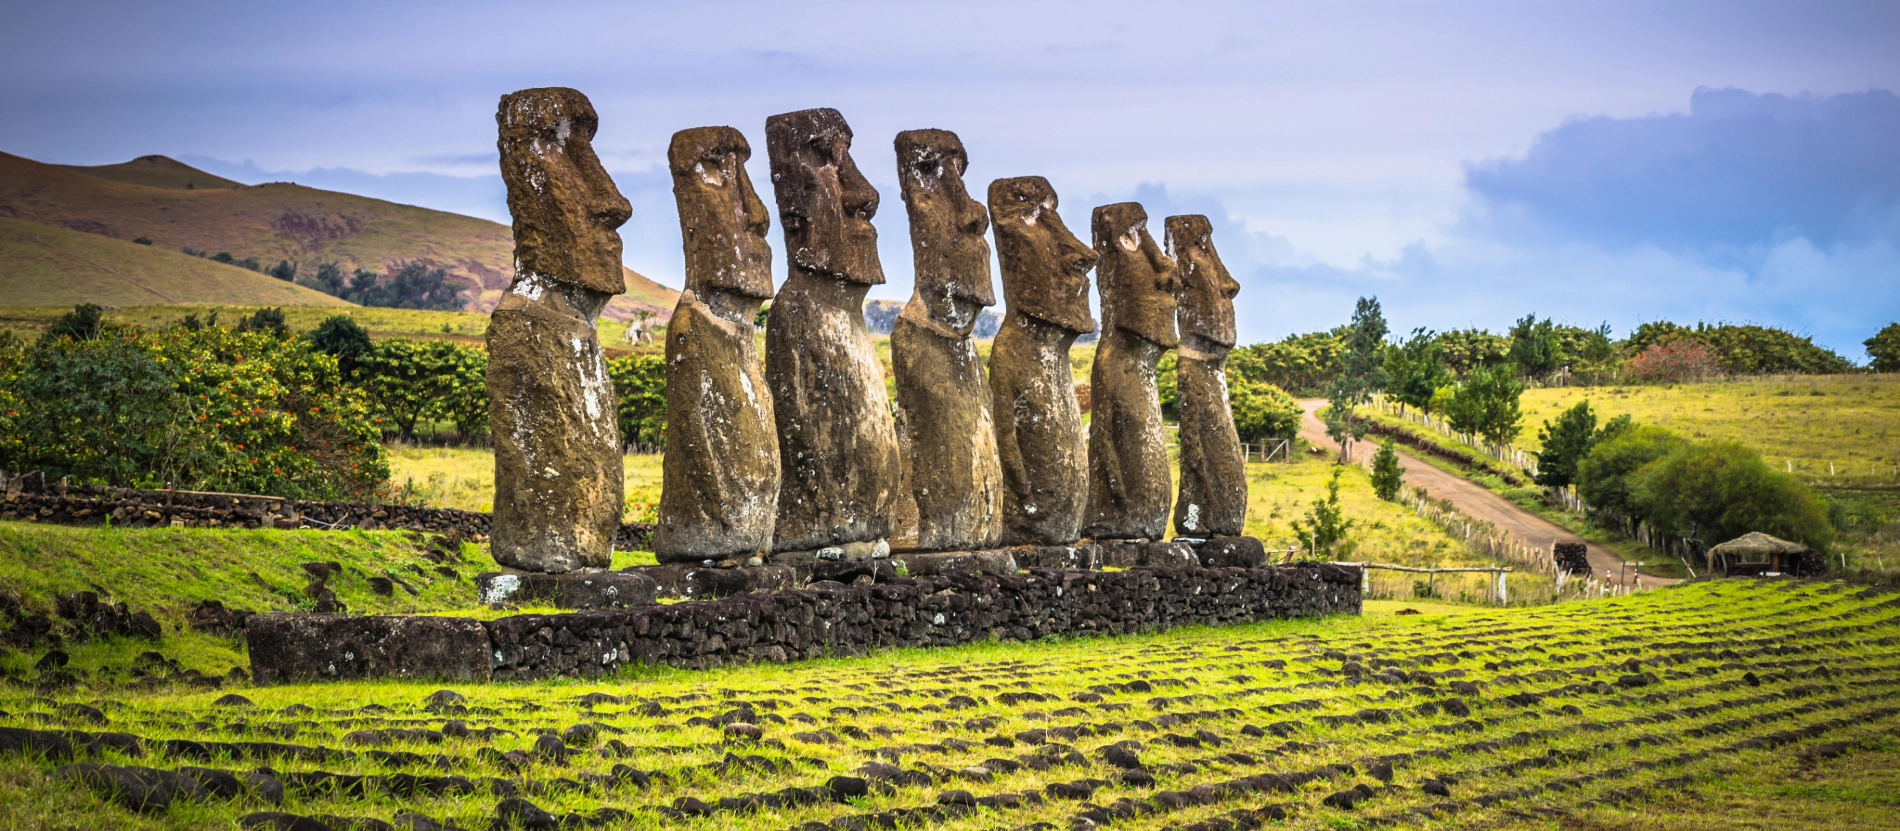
(1758, 553)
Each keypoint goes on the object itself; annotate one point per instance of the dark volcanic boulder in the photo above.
(295, 648)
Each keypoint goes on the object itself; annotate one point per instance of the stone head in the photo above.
(1045, 268)
(1207, 291)
(722, 221)
(946, 227)
(824, 203)
(1137, 279)
(565, 207)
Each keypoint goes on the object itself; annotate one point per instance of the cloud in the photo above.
(1736, 170)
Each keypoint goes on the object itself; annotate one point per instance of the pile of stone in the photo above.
(1572, 558)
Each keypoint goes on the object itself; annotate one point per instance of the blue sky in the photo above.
(1466, 162)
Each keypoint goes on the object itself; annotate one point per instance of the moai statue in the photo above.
(721, 475)
(558, 493)
(836, 436)
(951, 438)
(1032, 393)
(1213, 499)
(1129, 485)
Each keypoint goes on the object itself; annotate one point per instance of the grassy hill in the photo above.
(276, 221)
(43, 265)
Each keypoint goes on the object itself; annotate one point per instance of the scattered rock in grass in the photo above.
(138, 789)
(382, 586)
(1137, 778)
(551, 749)
(743, 732)
(212, 617)
(1120, 756)
(277, 821)
(1436, 787)
(516, 812)
(81, 711)
(52, 660)
(232, 700)
(580, 735)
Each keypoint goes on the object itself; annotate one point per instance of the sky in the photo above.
(1467, 163)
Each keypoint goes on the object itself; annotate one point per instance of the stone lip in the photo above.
(294, 648)
(957, 607)
(587, 589)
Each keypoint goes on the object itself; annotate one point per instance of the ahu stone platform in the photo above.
(827, 619)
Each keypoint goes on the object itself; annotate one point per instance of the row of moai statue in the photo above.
(802, 457)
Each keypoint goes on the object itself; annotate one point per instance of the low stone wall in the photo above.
(156, 509)
(776, 627)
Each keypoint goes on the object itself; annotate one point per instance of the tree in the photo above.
(1262, 411)
(1304, 363)
(1323, 534)
(1468, 349)
(463, 392)
(84, 322)
(1387, 475)
(1361, 374)
(640, 393)
(409, 380)
(1674, 361)
(1417, 366)
(284, 270)
(1487, 405)
(328, 279)
(1168, 384)
(1536, 348)
(1566, 442)
(1884, 348)
(340, 337)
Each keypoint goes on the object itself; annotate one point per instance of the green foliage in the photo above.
(284, 270)
(414, 286)
(758, 320)
(1603, 478)
(1566, 443)
(1361, 373)
(265, 320)
(82, 323)
(1387, 476)
(1884, 348)
(341, 338)
(226, 257)
(1304, 363)
(1418, 369)
(1720, 490)
(640, 393)
(1536, 350)
(1262, 411)
(1488, 405)
(408, 381)
(205, 409)
(1746, 350)
(328, 279)
(1323, 534)
(1469, 349)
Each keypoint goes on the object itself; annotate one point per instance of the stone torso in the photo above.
(837, 440)
(1129, 483)
(954, 473)
(1038, 432)
(1213, 499)
(721, 469)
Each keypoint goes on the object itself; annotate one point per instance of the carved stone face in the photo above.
(1207, 291)
(824, 203)
(1045, 268)
(946, 227)
(565, 207)
(722, 221)
(1137, 278)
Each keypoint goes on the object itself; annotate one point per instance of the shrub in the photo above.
(1168, 383)
(82, 323)
(1323, 534)
(206, 409)
(341, 338)
(1675, 361)
(1720, 490)
(1566, 442)
(1487, 405)
(1387, 476)
(1603, 477)
(408, 381)
(265, 320)
(640, 393)
(1262, 411)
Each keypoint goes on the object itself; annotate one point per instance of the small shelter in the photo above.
(1757, 553)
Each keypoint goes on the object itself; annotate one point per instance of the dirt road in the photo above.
(1480, 503)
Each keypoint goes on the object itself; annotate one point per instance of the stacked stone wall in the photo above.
(776, 627)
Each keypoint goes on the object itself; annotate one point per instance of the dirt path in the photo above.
(1478, 502)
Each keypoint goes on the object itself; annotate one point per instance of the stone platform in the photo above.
(827, 619)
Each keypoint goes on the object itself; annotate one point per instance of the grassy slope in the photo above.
(279, 221)
(1805, 422)
(1534, 766)
(42, 265)
(155, 172)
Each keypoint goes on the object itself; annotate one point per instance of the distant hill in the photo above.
(149, 198)
(41, 265)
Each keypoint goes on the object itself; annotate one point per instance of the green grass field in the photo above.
(48, 266)
(1802, 423)
(1674, 709)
